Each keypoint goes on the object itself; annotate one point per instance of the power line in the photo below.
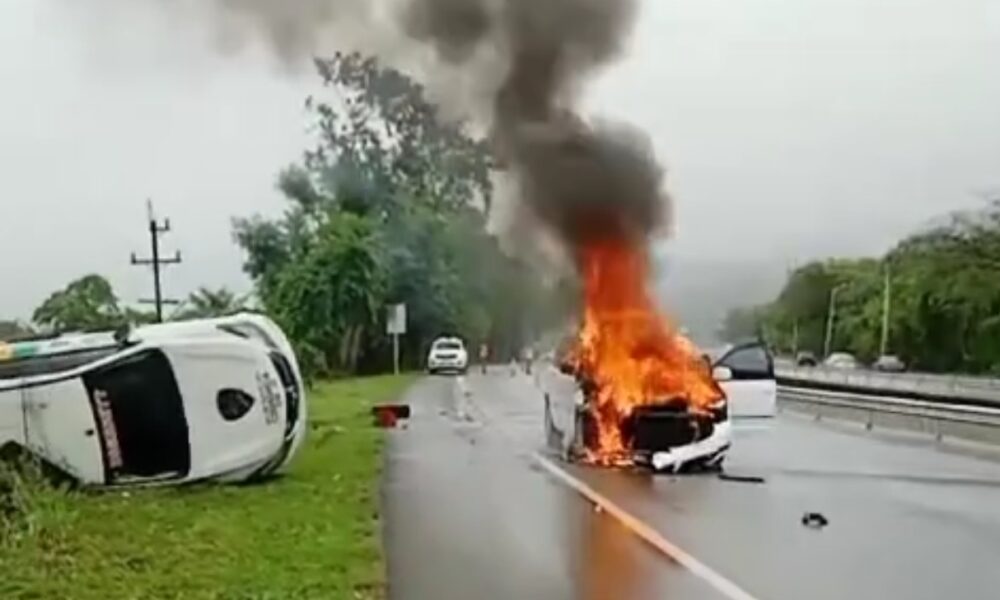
(155, 229)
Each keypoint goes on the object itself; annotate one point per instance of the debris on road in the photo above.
(815, 520)
(741, 478)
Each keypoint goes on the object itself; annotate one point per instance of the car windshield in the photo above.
(448, 345)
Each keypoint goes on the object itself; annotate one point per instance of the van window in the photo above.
(49, 364)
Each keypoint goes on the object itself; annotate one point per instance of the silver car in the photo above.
(841, 360)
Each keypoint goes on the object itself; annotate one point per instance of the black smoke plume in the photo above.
(578, 178)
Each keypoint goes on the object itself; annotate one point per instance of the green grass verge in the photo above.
(313, 533)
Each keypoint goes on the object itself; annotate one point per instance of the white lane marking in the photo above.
(647, 533)
(460, 395)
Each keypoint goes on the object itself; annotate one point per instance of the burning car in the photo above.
(667, 435)
(215, 399)
(646, 395)
(663, 436)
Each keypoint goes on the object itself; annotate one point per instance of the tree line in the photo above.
(938, 291)
(90, 303)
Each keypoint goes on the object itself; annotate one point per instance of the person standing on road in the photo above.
(484, 355)
(529, 357)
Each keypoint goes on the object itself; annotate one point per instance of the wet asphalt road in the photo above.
(469, 514)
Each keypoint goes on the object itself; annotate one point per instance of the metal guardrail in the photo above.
(978, 390)
(933, 417)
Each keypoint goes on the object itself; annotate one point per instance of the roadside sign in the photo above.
(395, 325)
(395, 322)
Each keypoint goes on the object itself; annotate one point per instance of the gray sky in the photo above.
(791, 129)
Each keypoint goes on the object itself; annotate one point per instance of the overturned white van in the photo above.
(213, 399)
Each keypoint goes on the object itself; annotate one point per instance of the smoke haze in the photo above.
(792, 131)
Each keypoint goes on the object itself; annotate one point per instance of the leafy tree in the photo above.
(138, 317)
(382, 142)
(205, 303)
(948, 293)
(743, 323)
(390, 207)
(87, 303)
(945, 301)
(265, 244)
(330, 299)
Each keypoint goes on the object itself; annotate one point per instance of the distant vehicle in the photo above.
(806, 359)
(746, 373)
(841, 360)
(211, 399)
(889, 363)
(447, 354)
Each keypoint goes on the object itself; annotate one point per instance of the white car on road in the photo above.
(214, 399)
(841, 360)
(448, 354)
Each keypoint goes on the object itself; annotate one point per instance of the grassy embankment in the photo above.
(312, 533)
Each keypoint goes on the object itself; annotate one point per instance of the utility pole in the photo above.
(886, 307)
(831, 315)
(155, 229)
(789, 272)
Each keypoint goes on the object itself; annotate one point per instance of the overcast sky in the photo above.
(791, 129)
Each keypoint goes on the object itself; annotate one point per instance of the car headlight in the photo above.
(233, 404)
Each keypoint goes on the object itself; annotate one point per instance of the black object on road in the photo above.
(741, 478)
(815, 520)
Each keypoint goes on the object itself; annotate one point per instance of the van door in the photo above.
(752, 391)
(60, 429)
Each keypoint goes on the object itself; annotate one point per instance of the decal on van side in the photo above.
(107, 423)
(270, 396)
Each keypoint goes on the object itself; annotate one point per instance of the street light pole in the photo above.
(886, 307)
(831, 314)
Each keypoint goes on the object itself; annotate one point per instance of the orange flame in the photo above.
(627, 354)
